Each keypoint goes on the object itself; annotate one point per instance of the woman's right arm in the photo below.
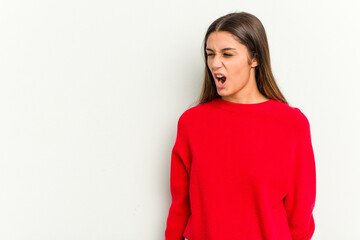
(179, 211)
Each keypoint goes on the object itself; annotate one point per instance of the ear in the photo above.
(254, 62)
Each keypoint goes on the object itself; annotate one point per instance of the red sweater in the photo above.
(242, 172)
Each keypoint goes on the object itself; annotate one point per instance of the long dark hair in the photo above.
(250, 32)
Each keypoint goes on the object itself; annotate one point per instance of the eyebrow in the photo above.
(224, 49)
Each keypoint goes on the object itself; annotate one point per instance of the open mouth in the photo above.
(221, 78)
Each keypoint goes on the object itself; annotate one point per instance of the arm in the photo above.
(179, 211)
(300, 200)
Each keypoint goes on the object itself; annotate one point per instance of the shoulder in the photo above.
(290, 115)
(193, 113)
(300, 117)
(299, 120)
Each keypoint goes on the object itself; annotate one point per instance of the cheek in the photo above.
(239, 67)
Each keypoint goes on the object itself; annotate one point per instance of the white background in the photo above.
(91, 91)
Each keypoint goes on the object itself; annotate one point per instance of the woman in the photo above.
(242, 166)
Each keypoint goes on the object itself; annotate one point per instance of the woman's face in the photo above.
(228, 58)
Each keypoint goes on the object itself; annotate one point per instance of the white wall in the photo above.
(90, 94)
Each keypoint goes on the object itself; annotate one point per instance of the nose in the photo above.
(216, 62)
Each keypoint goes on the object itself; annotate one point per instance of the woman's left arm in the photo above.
(300, 200)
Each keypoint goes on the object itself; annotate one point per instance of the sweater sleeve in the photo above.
(300, 200)
(179, 211)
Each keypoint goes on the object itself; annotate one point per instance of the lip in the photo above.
(218, 73)
(218, 84)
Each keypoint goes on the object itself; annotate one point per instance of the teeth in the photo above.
(219, 76)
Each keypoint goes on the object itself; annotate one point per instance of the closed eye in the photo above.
(225, 54)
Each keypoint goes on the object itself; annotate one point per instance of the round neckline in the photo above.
(231, 106)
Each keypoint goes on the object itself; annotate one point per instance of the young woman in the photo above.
(242, 166)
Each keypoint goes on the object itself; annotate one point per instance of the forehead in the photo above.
(222, 39)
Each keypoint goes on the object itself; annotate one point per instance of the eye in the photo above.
(224, 54)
